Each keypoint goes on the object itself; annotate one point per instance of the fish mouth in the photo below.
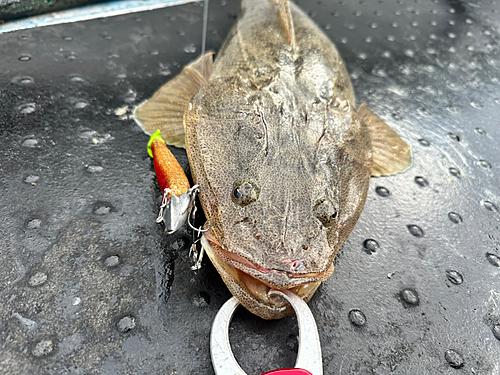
(251, 284)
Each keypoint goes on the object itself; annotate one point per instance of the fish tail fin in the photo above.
(253, 9)
(164, 111)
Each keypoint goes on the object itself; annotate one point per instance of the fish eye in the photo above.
(236, 193)
(325, 212)
(245, 192)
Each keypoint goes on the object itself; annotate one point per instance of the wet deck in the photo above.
(85, 270)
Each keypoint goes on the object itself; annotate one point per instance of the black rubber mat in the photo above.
(13, 9)
(85, 271)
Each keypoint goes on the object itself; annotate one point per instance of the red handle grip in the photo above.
(288, 371)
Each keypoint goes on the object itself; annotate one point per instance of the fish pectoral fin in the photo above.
(285, 17)
(390, 154)
(165, 110)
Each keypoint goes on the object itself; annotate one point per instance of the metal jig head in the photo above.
(175, 211)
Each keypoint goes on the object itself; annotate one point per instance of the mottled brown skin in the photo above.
(283, 118)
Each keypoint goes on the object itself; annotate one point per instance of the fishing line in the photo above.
(205, 25)
(204, 42)
(194, 254)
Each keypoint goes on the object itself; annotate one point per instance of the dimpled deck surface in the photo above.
(85, 271)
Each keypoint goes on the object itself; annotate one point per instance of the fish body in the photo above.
(281, 154)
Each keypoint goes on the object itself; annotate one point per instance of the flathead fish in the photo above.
(281, 153)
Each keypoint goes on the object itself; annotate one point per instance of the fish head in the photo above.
(283, 194)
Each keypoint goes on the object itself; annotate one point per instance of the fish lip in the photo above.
(274, 279)
(252, 292)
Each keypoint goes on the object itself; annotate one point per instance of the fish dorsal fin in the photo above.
(285, 17)
(390, 154)
(165, 110)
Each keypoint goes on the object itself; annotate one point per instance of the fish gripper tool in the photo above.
(309, 359)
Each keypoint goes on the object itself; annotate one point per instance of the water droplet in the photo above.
(424, 142)
(379, 72)
(391, 38)
(112, 261)
(355, 75)
(454, 277)
(484, 164)
(386, 54)
(480, 131)
(382, 191)
(102, 208)
(455, 172)
(357, 318)
(37, 279)
(126, 324)
(454, 136)
(67, 38)
(493, 259)
(191, 48)
(373, 25)
(25, 58)
(32, 179)
(76, 301)
(421, 181)
(94, 168)
(350, 26)
(430, 68)
(71, 56)
(34, 223)
(27, 323)
(415, 230)
(453, 358)
(370, 246)
(476, 105)
(409, 53)
(490, 206)
(43, 348)
(368, 39)
(23, 80)
(363, 56)
(454, 217)
(81, 104)
(410, 296)
(76, 78)
(496, 331)
(27, 108)
(30, 142)
(201, 299)
(452, 35)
